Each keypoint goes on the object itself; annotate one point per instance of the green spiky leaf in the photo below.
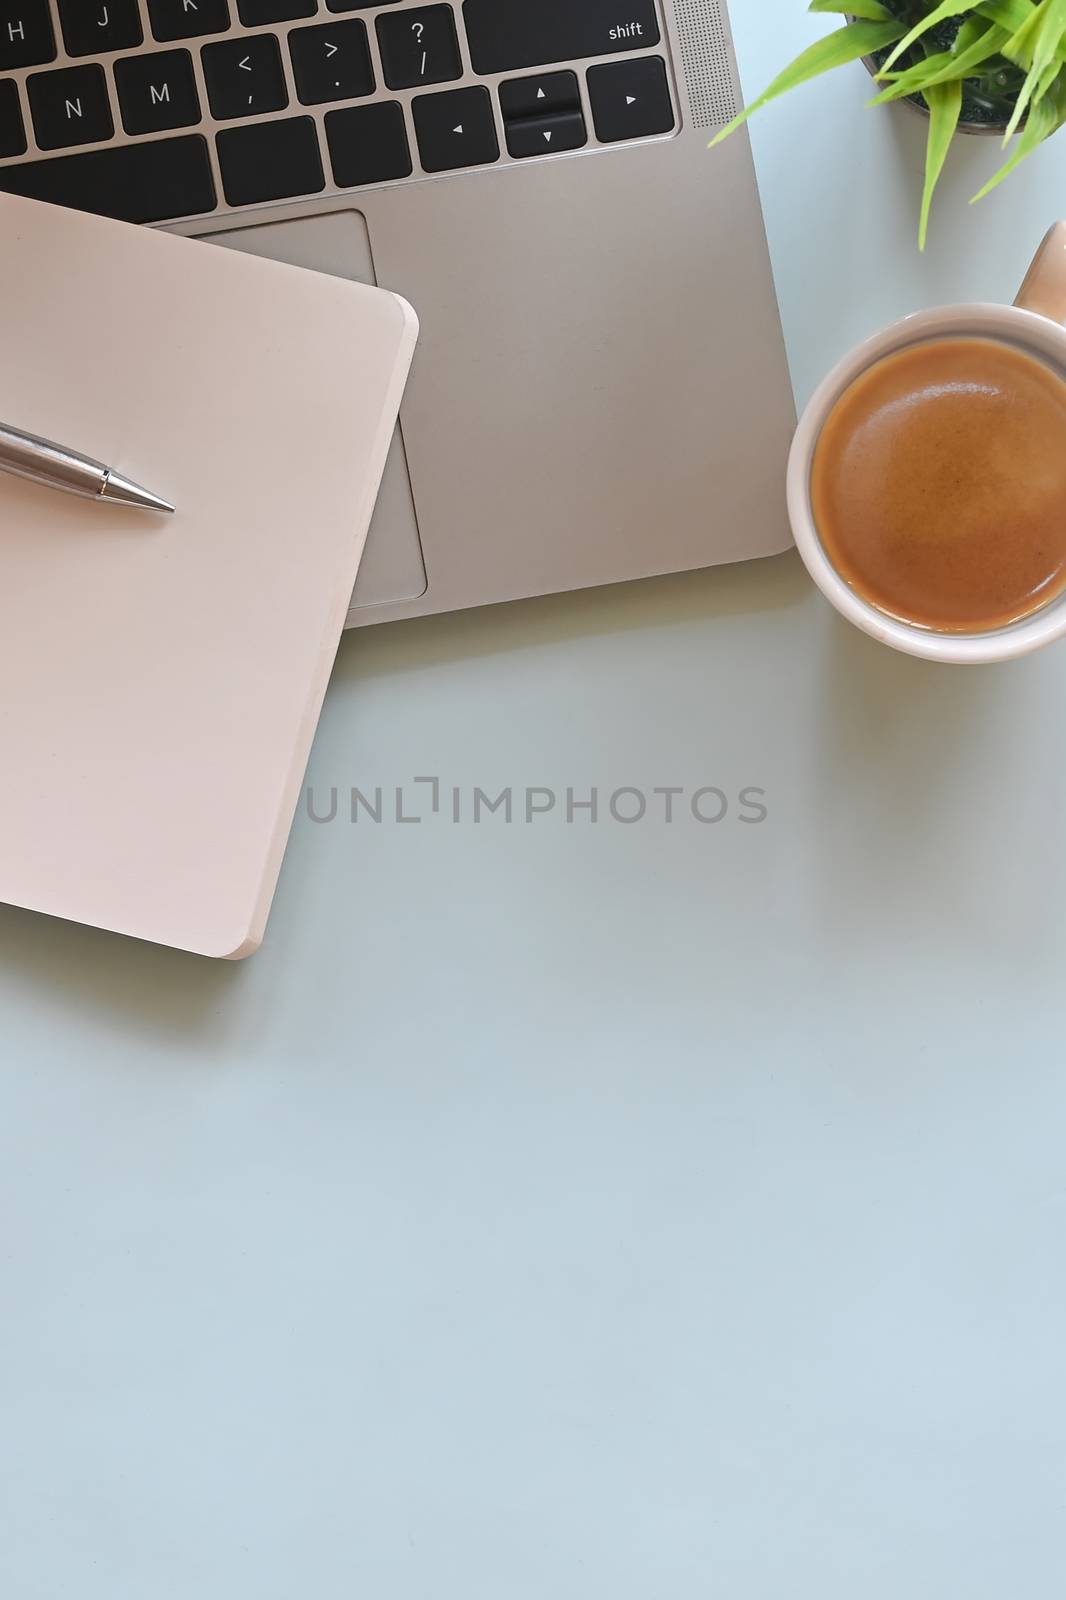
(1028, 34)
(940, 13)
(1044, 33)
(1036, 40)
(1046, 117)
(1045, 80)
(1009, 14)
(943, 67)
(850, 43)
(868, 10)
(945, 104)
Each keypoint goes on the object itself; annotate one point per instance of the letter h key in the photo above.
(26, 36)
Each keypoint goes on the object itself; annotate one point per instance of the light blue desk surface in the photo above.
(621, 1210)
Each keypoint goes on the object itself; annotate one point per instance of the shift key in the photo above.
(506, 35)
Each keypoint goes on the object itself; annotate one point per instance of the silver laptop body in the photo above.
(601, 390)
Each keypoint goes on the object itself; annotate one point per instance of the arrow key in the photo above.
(455, 129)
(539, 96)
(331, 62)
(630, 99)
(244, 76)
(543, 136)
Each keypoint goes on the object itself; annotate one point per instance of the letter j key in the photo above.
(92, 27)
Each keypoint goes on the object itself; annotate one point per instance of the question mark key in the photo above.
(419, 46)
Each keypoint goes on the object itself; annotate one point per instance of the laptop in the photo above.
(601, 391)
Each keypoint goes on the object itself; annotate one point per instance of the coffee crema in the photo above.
(938, 484)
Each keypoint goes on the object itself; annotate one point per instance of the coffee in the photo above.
(938, 484)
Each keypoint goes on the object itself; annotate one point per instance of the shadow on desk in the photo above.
(160, 992)
(936, 799)
(770, 584)
(88, 971)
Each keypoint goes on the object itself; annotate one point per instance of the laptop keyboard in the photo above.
(158, 110)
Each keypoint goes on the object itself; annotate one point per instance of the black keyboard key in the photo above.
(187, 19)
(356, 5)
(261, 13)
(539, 97)
(331, 62)
(541, 136)
(12, 132)
(26, 37)
(419, 47)
(270, 161)
(152, 182)
(91, 27)
(368, 144)
(505, 34)
(69, 106)
(630, 99)
(245, 77)
(157, 91)
(455, 129)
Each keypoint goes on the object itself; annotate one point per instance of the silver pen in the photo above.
(56, 467)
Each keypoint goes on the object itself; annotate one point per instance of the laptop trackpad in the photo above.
(392, 567)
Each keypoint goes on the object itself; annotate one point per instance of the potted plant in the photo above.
(999, 65)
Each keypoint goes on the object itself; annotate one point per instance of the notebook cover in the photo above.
(162, 677)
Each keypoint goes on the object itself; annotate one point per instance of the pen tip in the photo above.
(123, 491)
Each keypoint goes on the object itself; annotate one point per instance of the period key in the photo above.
(331, 62)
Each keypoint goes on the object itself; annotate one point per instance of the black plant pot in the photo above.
(988, 99)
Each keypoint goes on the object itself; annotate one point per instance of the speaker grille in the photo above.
(705, 60)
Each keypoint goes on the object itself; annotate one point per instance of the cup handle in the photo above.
(1044, 287)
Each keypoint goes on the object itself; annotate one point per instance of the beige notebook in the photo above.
(162, 676)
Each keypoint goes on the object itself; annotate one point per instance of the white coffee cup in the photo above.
(1033, 323)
